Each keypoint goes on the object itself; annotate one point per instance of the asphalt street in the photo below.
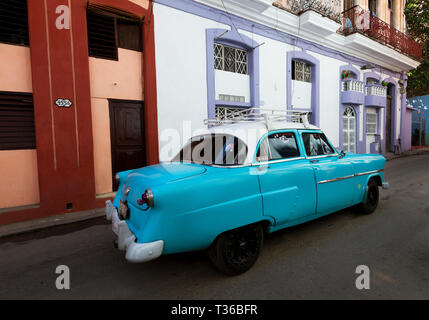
(316, 260)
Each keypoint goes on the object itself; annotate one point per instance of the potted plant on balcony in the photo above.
(345, 74)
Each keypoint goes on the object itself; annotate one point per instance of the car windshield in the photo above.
(214, 149)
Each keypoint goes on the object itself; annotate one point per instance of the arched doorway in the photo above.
(349, 129)
(388, 132)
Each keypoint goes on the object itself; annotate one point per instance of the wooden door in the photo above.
(127, 135)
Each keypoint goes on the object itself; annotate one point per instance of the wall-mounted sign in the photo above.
(63, 103)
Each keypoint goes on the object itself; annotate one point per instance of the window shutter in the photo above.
(16, 121)
(14, 22)
(102, 36)
(129, 34)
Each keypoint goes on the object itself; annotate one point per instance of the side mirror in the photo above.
(342, 154)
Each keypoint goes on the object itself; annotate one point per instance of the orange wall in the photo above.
(141, 3)
(117, 79)
(101, 137)
(120, 79)
(15, 68)
(19, 180)
(18, 168)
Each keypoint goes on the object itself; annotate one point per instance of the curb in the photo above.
(36, 224)
(408, 154)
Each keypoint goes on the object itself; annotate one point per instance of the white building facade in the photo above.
(213, 57)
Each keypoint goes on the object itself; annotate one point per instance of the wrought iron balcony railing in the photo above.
(357, 19)
(327, 8)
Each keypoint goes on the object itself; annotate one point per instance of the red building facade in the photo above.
(64, 132)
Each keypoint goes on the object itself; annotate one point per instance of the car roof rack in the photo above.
(234, 115)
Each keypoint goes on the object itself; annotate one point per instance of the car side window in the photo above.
(316, 144)
(276, 146)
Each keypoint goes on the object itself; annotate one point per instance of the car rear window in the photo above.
(214, 149)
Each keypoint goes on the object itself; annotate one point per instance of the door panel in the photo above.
(334, 174)
(288, 190)
(332, 194)
(286, 179)
(127, 135)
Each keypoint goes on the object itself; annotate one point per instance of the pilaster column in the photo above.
(381, 9)
(396, 7)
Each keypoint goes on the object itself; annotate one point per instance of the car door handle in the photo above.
(260, 168)
(314, 161)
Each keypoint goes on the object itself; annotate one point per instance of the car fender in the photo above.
(379, 178)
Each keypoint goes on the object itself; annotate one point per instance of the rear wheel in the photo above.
(372, 196)
(236, 251)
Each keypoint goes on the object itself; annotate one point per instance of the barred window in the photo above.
(224, 113)
(230, 59)
(371, 123)
(301, 71)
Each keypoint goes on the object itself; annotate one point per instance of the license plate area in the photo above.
(123, 209)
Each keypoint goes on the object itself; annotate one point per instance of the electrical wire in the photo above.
(232, 22)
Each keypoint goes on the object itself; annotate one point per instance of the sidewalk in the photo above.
(36, 224)
(391, 156)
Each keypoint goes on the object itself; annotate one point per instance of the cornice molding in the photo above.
(311, 26)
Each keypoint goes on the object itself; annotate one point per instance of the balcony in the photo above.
(375, 95)
(358, 20)
(327, 8)
(352, 91)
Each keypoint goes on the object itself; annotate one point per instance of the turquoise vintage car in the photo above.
(231, 184)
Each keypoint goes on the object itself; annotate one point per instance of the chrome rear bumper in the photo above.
(135, 252)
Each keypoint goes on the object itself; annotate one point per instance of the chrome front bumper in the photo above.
(385, 185)
(135, 252)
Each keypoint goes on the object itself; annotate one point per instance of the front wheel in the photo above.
(236, 251)
(372, 195)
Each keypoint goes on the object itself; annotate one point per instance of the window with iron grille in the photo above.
(301, 71)
(107, 33)
(224, 113)
(16, 121)
(230, 59)
(371, 123)
(14, 22)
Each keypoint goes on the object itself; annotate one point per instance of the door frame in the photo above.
(393, 116)
(357, 117)
(112, 132)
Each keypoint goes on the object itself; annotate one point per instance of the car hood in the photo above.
(164, 172)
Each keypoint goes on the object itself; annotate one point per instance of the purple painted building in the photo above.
(215, 57)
